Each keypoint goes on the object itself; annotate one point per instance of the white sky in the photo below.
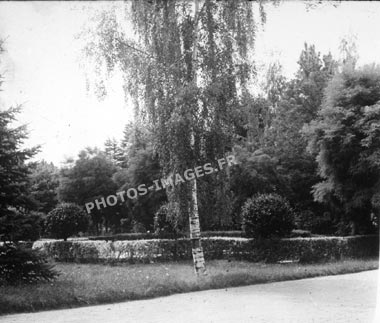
(43, 73)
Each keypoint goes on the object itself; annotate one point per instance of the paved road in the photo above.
(344, 298)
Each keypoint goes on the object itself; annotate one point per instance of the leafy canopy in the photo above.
(180, 96)
(346, 139)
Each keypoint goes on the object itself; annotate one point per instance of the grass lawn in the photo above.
(89, 284)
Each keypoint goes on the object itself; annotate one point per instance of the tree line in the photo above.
(311, 143)
(313, 139)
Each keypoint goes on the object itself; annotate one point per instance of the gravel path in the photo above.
(344, 298)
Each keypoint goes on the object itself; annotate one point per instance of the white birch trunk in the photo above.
(195, 230)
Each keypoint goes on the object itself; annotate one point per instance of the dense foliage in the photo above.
(220, 113)
(66, 220)
(17, 222)
(141, 167)
(266, 216)
(86, 179)
(189, 76)
(44, 182)
(14, 200)
(191, 121)
(24, 266)
(346, 139)
(166, 221)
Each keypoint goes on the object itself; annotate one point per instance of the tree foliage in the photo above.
(89, 178)
(166, 221)
(14, 201)
(268, 137)
(299, 104)
(44, 182)
(114, 152)
(256, 173)
(16, 223)
(159, 73)
(17, 265)
(142, 167)
(346, 139)
(24, 266)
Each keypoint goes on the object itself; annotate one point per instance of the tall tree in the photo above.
(346, 139)
(299, 104)
(189, 99)
(14, 195)
(44, 182)
(14, 200)
(114, 152)
(17, 264)
(89, 178)
(348, 52)
(142, 167)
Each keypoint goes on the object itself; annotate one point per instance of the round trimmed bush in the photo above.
(66, 220)
(267, 216)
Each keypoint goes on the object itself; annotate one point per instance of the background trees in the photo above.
(192, 108)
(346, 139)
(44, 182)
(89, 178)
(298, 104)
(270, 142)
(142, 167)
(114, 152)
(180, 96)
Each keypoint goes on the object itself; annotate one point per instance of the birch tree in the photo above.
(186, 69)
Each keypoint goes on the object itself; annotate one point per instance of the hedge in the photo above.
(133, 236)
(148, 235)
(292, 249)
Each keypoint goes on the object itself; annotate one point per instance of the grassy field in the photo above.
(82, 284)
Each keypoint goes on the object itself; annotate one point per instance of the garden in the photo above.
(298, 195)
(131, 266)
